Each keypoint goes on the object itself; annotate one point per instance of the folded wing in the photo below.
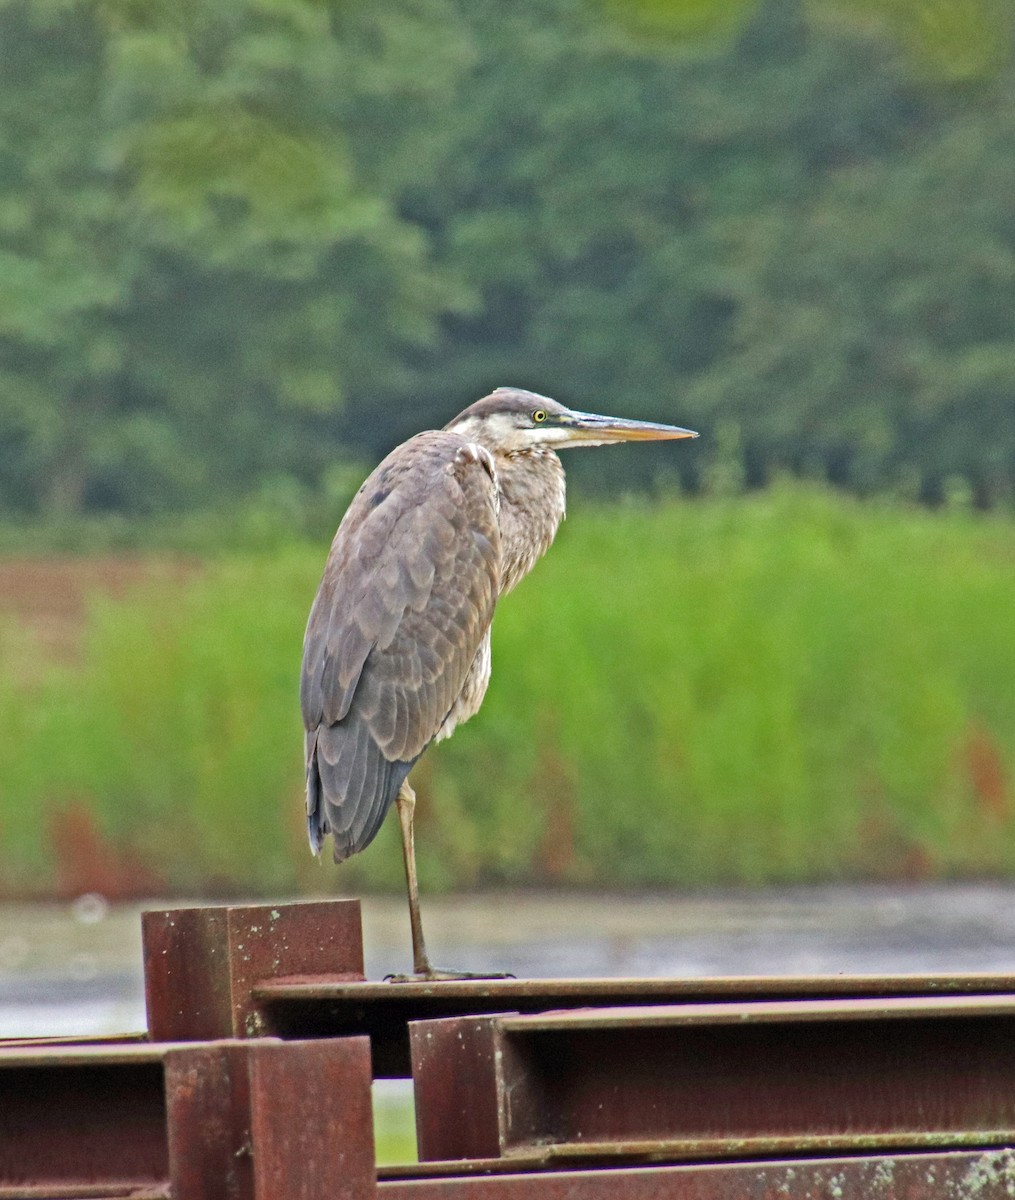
(407, 597)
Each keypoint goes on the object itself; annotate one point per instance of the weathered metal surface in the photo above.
(764, 1012)
(201, 963)
(102, 1039)
(265, 1120)
(718, 1080)
(311, 1121)
(319, 1006)
(978, 1175)
(84, 1192)
(208, 1121)
(78, 1115)
(455, 1085)
(225, 1120)
(620, 1078)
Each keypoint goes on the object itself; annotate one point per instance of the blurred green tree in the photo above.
(196, 276)
(239, 236)
(805, 226)
(873, 331)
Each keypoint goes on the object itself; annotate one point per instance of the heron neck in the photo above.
(532, 502)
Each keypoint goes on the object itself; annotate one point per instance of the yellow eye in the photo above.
(538, 416)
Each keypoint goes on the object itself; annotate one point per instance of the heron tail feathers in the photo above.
(350, 787)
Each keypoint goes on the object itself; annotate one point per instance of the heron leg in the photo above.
(406, 804)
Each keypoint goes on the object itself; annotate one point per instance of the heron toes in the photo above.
(435, 975)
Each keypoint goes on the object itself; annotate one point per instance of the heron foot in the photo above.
(435, 975)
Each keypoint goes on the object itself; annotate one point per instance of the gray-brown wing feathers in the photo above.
(407, 596)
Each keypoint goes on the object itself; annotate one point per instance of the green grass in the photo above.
(394, 1123)
(784, 687)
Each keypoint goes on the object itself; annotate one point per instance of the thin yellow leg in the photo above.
(406, 804)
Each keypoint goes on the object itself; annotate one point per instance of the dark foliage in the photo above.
(242, 240)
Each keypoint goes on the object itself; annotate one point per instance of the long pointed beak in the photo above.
(590, 427)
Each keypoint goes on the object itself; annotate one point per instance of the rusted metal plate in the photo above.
(456, 1088)
(201, 963)
(208, 1121)
(311, 1121)
(319, 1006)
(978, 1175)
(718, 1081)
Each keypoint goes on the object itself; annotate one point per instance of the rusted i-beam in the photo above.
(82, 1115)
(966, 1175)
(227, 1120)
(323, 1006)
(718, 1080)
(200, 964)
(296, 971)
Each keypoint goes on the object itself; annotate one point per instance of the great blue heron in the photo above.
(397, 648)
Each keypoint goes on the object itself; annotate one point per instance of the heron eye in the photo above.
(538, 416)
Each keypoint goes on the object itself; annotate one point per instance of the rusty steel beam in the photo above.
(208, 1121)
(79, 1192)
(265, 1120)
(88, 1039)
(228, 1120)
(311, 1121)
(976, 1175)
(701, 1081)
(82, 1116)
(321, 1006)
(201, 963)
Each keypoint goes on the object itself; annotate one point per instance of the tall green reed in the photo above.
(782, 687)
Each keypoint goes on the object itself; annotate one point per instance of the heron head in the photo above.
(513, 421)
